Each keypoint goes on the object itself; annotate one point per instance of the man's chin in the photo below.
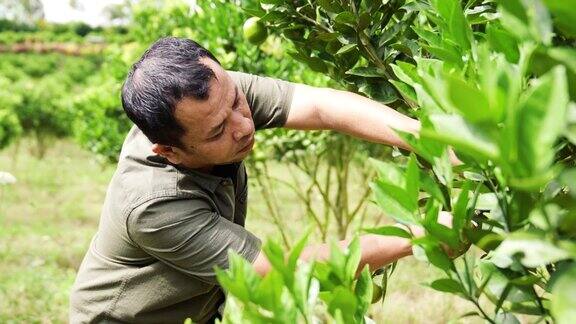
(242, 155)
(238, 158)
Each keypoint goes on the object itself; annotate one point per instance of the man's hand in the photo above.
(444, 218)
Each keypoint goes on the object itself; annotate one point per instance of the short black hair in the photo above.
(169, 71)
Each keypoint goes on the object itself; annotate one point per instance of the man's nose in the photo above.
(243, 129)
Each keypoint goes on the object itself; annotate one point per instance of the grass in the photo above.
(49, 216)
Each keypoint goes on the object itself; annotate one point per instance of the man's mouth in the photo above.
(248, 146)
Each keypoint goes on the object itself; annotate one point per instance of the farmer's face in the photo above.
(218, 130)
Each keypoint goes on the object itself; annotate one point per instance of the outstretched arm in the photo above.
(377, 251)
(349, 113)
(352, 114)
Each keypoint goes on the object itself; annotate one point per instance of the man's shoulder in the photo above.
(142, 176)
(135, 184)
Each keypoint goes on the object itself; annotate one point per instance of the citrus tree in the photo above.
(34, 95)
(497, 91)
(495, 81)
(9, 125)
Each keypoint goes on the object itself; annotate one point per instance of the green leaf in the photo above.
(460, 211)
(353, 258)
(463, 136)
(338, 262)
(567, 57)
(400, 195)
(447, 285)
(445, 53)
(432, 209)
(484, 239)
(571, 127)
(389, 231)
(274, 2)
(330, 6)
(468, 99)
(304, 289)
(532, 250)
(431, 73)
(272, 17)
(239, 268)
(568, 179)
(542, 115)
(368, 72)
(563, 296)
(317, 64)
(500, 80)
(434, 254)
(275, 254)
(390, 206)
(345, 301)
(346, 18)
(432, 38)
(405, 90)
(406, 73)
(443, 234)
(327, 37)
(363, 291)
(346, 48)
(412, 178)
(431, 187)
(503, 42)
(564, 55)
(389, 34)
(269, 291)
(297, 250)
(379, 90)
(388, 172)
(458, 28)
(363, 21)
(563, 15)
(528, 20)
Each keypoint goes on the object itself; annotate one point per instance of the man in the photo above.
(177, 202)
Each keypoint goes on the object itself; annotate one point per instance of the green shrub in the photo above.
(494, 81)
(9, 125)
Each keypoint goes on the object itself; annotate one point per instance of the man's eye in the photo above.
(219, 134)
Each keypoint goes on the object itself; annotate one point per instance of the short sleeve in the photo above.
(187, 235)
(269, 99)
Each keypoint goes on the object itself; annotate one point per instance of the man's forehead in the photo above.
(197, 116)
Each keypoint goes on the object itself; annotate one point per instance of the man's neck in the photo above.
(204, 168)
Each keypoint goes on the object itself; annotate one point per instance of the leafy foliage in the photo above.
(294, 291)
(9, 125)
(353, 42)
(507, 121)
(35, 90)
(494, 80)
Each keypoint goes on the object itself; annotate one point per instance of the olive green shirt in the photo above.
(163, 229)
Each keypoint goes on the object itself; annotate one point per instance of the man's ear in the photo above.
(167, 152)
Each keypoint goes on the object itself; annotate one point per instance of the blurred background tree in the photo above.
(22, 11)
